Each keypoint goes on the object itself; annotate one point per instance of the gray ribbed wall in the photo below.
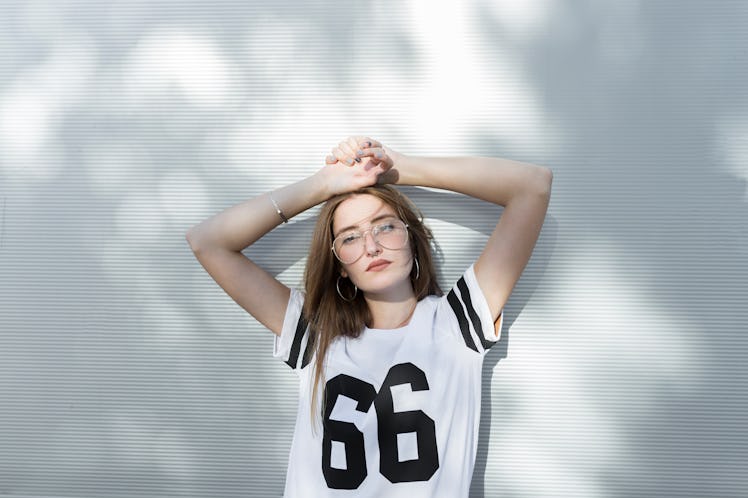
(125, 371)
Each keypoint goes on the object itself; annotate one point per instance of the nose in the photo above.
(371, 245)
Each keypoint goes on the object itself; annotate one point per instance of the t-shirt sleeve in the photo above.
(292, 346)
(464, 310)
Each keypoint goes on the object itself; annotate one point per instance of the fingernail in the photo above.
(350, 162)
(360, 152)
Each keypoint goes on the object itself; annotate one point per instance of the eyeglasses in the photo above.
(392, 234)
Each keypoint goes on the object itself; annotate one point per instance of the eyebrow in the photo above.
(380, 217)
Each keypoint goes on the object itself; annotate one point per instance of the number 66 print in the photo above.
(390, 424)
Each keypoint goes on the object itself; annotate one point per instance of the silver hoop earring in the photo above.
(418, 268)
(355, 291)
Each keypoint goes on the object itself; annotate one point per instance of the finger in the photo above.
(342, 156)
(353, 143)
(376, 153)
(377, 169)
(350, 151)
(331, 159)
(367, 142)
(375, 162)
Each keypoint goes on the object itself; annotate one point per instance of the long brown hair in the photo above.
(330, 317)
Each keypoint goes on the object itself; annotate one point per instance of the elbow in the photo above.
(192, 239)
(548, 172)
(544, 181)
(189, 237)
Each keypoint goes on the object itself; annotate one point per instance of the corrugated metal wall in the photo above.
(125, 371)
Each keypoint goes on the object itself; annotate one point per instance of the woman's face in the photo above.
(378, 269)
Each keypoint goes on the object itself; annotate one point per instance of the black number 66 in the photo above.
(390, 424)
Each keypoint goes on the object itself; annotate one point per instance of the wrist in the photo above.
(408, 169)
(320, 185)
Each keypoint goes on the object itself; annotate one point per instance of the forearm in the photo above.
(241, 225)
(488, 178)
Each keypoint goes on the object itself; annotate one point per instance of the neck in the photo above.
(391, 314)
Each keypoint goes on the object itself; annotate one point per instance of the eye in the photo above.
(350, 238)
(385, 227)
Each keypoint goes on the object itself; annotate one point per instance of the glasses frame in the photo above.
(363, 237)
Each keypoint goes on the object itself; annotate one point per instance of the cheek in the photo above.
(353, 269)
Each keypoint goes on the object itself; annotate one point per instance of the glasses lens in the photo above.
(391, 235)
(348, 247)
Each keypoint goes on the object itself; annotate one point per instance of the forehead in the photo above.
(359, 210)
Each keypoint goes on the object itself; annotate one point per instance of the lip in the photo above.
(378, 264)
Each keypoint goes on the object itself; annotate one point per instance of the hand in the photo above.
(358, 162)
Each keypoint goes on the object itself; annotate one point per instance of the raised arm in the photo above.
(218, 241)
(523, 189)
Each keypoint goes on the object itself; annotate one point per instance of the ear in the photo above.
(343, 273)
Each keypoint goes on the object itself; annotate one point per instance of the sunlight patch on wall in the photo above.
(171, 58)
(469, 86)
(25, 120)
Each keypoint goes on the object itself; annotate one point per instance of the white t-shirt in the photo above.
(403, 405)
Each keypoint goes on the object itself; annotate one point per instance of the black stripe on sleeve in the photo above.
(307, 350)
(293, 357)
(454, 302)
(465, 293)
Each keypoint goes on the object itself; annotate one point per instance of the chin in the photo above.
(383, 281)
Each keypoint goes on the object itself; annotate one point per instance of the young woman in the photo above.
(390, 368)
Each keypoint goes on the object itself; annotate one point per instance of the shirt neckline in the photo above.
(398, 329)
